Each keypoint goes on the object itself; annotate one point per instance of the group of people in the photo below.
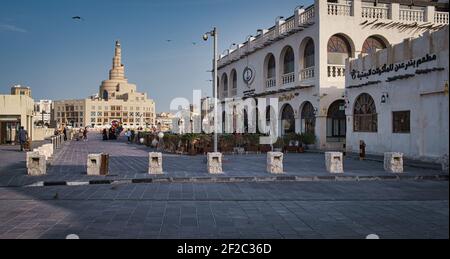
(82, 134)
(112, 133)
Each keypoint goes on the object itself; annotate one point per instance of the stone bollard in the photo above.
(36, 164)
(98, 164)
(393, 162)
(275, 162)
(155, 163)
(334, 162)
(214, 163)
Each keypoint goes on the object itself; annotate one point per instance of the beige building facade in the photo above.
(117, 101)
(16, 110)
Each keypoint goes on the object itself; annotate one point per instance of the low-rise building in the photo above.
(164, 121)
(16, 110)
(397, 98)
(43, 113)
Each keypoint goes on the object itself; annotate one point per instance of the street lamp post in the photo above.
(214, 34)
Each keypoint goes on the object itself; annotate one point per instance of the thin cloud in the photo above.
(11, 28)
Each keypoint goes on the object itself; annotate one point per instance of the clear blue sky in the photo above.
(59, 58)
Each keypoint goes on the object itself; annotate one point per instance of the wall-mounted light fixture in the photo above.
(384, 98)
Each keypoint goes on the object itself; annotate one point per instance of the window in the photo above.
(288, 61)
(99, 113)
(93, 114)
(401, 121)
(308, 118)
(309, 54)
(271, 68)
(373, 44)
(234, 79)
(365, 117)
(338, 50)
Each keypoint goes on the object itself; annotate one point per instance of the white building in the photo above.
(397, 98)
(301, 59)
(43, 111)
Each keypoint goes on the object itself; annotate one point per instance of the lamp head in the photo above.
(205, 37)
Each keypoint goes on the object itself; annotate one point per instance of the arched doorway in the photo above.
(336, 121)
(287, 120)
(308, 119)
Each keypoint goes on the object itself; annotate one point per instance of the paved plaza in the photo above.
(399, 208)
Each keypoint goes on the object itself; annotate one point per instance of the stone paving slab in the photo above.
(392, 210)
(130, 162)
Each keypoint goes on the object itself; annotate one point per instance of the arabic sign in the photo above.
(414, 63)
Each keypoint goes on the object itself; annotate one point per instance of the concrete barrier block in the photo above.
(393, 162)
(155, 163)
(275, 162)
(214, 163)
(98, 164)
(334, 162)
(36, 164)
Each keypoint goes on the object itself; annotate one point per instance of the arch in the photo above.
(339, 47)
(308, 50)
(270, 67)
(233, 79)
(373, 44)
(287, 59)
(287, 119)
(365, 117)
(224, 82)
(308, 118)
(336, 120)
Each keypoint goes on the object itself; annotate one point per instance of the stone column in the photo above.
(393, 162)
(155, 163)
(395, 11)
(275, 162)
(36, 164)
(214, 163)
(334, 162)
(429, 14)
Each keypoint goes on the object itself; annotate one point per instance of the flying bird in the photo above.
(77, 18)
(169, 40)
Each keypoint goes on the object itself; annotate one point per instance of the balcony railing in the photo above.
(441, 17)
(307, 17)
(307, 73)
(339, 9)
(271, 82)
(288, 78)
(411, 15)
(336, 71)
(372, 12)
(287, 26)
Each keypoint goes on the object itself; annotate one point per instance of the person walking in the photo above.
(23, 137)
(65, 133)
(128, 135)
(85, 132)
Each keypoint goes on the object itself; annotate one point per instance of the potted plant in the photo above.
(308, 139)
